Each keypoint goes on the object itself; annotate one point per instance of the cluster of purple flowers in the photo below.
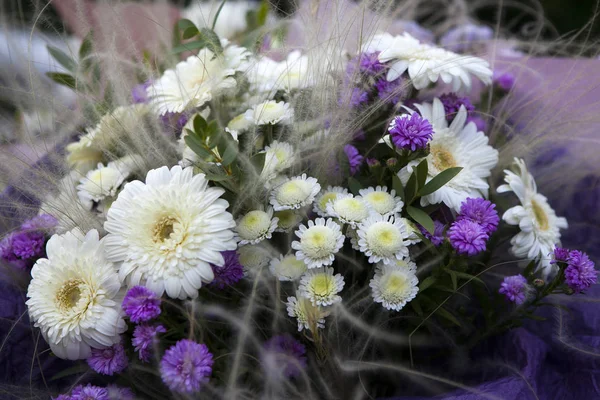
(230, 273)
(515, 288)
(580, 271)
(411, 132)
(285, 355)
(109, 361)
(438, 233)
(452, 104)
(477, 220)
(23, 247)
(186, 366)
(92, 392)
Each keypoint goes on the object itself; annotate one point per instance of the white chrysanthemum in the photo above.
(426, 64)
(455, 145)
(540, 227)
(405, 263)
(101, 183)
(192, 83)
(279, 156)
(266, 75)
(287, 268)
(394, 286)
(318, 242)
(87, 152)
(238, 125)
(288, 220)
(308, 316)
(270, 112)
(321, 287)
(75, 296)
(294, 193)
(352, 234)
(232, 17)
(383, 239)
(349, 209)
(413, 232)
(382, 201)
(326, 196)
(166, 232)
(253, 258)
(256, 226)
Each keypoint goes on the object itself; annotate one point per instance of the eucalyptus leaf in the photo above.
(439, 180)
(410, 190)
(397, 186)
(63, 58)
(422, 218)
(421, 171)
(200, 125)
(427, 282)
(63, 79)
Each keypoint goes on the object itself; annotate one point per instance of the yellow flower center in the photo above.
(540, 215)
(322, 285)
(395, 285)
(384, 239)
(442, 158)
(326, 198)
(163, 229)
(69, 294)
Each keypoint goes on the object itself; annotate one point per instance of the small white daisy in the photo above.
(255, 257)
(349, 209)
(238, 125)
(459, 144)
(426, 64)
(267, 75)
(288, 220)
(405, 263)
(279, 156)
(270, 112)
(540, 227)
(294, 193)
(309, 316)
(326, 196)
(318, 242)
(382, 201)
(394, 286)
(321, 287)
(383, 239)
(75, 296)
(255, 226)
(101, 183)
(287, 268)
(413, 232)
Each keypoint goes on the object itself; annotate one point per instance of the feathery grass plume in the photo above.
(271, 127)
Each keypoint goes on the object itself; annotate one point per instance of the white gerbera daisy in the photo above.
(309, 316)
(394, 286)
(318, 242)
(192, 83)
(270, 112)
(349, 209)
(75, 296)
(540, 227)
(321, 287)
(101, 183)
(382, 201)
(255, 257)
(383, 239)
(267, 75)
(294, 193)
(326, 196)
(256, 226)
(287, 268)
(288, 220)
(456, 145)
(166, 232)
(426, 64)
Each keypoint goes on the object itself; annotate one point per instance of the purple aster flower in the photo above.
(174, 122)
(141, 304)
(514, 288)
(366, 63)
(8, 255)
(43, 222)
(27, 245)
(410, 132)
(580, 273)
(139, 92)
(504, 81)
(109, 361)
(452, 104)
(390, 92)
(285, 354)
(186, 366)
(144, 340)
(467, 237)
(481, 211)
(438, 233)
(119, 393)
(354, 158)
(560, 255)
(230, 273)
(89, 392)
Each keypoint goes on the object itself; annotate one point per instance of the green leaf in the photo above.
(188, 27)
(439, 180)
(397, 186)
(421, 171)
(62, 79)
(258, 160)
(430, 280)
(442, 312)
(262, 13)
(354, 185)
(453, 278)
(230, 153)
(416, 306)
(212, 40)
(422, 218)
(410, 190)
(86, 46)
(200, 125)
(217, 15)
(63, 58)
(196, 145)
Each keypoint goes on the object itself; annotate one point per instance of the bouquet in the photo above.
(240, 220)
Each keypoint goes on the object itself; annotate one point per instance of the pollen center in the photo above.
(163, 229)
(322, 285)
(69, 294)
(442, 158)
(540, 215)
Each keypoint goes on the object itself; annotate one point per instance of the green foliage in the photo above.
(204, 38)
(63, 59)
(439, 180)
(421, 217)
(63, 79)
